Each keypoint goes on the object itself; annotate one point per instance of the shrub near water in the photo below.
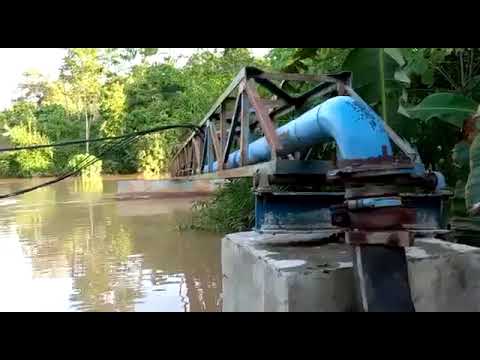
(26, 163)
(231, 208)
(82, 159)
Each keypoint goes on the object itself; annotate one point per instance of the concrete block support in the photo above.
(264, 275)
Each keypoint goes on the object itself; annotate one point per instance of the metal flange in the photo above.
(396, 238)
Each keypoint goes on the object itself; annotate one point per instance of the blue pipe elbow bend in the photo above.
(357, 130)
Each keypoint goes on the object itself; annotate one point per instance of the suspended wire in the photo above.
(76, 142)
(86, 162)
(122, 141)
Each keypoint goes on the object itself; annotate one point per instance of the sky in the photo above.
(15, 61)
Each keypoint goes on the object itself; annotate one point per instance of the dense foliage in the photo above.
(429, 96)
(78, 162)
(109, 92)
(230, 209)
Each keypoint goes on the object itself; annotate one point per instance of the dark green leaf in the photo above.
(427, 76)
(395, 54)
(373, 76)
(364, 63)
(402, 76)
(305, 53)
(401, 110)
(450, 107)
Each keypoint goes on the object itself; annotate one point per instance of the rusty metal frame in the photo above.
(224, 129)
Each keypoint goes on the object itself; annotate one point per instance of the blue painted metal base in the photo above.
(294, 211)
(431, 209)
(309, 211)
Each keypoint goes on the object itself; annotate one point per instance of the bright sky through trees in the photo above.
(15, 61)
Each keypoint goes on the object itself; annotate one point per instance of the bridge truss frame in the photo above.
(241, 110)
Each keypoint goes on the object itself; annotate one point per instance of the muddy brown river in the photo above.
(75, 246)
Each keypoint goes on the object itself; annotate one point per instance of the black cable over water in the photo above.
(82, 165)
(88, 161)
(76, 142)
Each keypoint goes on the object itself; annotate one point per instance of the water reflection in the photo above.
(111, 255)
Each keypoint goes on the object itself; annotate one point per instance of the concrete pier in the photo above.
(289, 273)
(166, 187)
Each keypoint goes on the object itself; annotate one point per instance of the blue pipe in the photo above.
(356, 129)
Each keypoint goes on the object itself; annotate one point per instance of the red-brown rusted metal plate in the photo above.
(382, 218)
(398, 238)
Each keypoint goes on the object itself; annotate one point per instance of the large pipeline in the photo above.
(357, 130)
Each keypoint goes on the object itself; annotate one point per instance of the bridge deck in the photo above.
(273, 167)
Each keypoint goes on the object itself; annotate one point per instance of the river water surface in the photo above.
(75, 246)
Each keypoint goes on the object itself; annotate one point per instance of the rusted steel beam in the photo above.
(185, 158)
(223, 128)
(263, 118)
(194, 165)
(272, 104)
(204, 151)
(231, 133)
(172, 168)
(191, 158)
(216, 144)
(210, 150)
(275, 90)
(181, 161)
(282, 110)
(198, 154)
(244, 129)
(303, 98)
(226, 115)
(319, 90)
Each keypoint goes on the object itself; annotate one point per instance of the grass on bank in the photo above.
(230, 209)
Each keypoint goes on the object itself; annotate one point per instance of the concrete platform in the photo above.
(261, 276)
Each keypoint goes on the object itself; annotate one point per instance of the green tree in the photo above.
(308, 60)
(108, 92)
(82, 71)
(162, 93)
(27, 163)
(58, 125)
(112, 107)
(34, 87)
